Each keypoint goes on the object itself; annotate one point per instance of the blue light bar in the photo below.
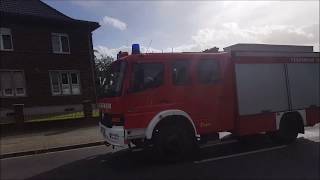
(135, 49)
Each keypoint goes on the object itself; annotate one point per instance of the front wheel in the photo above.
(288, 130)
(173, 142)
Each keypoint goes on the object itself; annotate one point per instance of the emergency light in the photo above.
(135, 49)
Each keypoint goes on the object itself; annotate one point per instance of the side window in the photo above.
(75, 83)
(12, 83)
(19, 83)
(147, 75)
(180, 72)
(55, 83)
(208, 71)
(5, 39)
(6, 83)
(65, 82)
(60, 43)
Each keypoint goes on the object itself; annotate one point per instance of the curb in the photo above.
(12, 129)
(56, 149)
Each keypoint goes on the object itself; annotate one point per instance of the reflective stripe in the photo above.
(164, 114)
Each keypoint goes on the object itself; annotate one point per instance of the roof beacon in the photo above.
(135, 49)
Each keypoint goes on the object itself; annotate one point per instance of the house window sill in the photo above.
(7, 50)
(61, 53)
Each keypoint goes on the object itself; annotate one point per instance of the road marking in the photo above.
(239, 154)
(53, 152)
(136, 149)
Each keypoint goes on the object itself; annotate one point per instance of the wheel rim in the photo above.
(173, 145)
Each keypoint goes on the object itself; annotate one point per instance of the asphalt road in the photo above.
(255, 158)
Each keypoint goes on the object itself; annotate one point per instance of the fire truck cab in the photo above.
(173, 100)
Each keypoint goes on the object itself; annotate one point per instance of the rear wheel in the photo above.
(173, 141)
(288, 129)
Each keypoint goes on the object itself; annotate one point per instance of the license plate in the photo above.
(114, 136)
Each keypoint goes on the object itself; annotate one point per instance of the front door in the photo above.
(145, 92)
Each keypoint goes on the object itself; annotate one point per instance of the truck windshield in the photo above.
(113, 84)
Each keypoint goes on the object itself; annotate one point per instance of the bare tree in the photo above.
(102, 70)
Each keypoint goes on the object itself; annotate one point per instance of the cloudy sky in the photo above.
(194, 26)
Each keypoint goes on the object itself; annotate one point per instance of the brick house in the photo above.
(46, 59)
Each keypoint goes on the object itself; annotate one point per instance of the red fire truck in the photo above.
(171, 101)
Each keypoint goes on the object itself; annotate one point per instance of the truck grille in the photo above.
(107, 121)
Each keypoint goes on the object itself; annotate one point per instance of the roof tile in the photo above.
(31, 8)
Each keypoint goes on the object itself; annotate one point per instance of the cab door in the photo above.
(145, 92)
(206, 94)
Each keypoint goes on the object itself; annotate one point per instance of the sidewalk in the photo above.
(42, 140)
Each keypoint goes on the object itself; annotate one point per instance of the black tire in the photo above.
(139, 143)
(288, 129)
(173, 141)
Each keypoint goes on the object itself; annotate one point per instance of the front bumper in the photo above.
(114, 136)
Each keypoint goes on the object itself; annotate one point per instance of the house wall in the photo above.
(32, 52)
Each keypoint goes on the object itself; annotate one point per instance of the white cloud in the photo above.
(220, 24)
(231, 33)
(216, 23)
(116, 23)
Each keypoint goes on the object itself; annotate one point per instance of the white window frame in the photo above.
(69, 80)
(59, 84)
(5, 31)
(60, 43)
(14, 89)
(78, 79)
